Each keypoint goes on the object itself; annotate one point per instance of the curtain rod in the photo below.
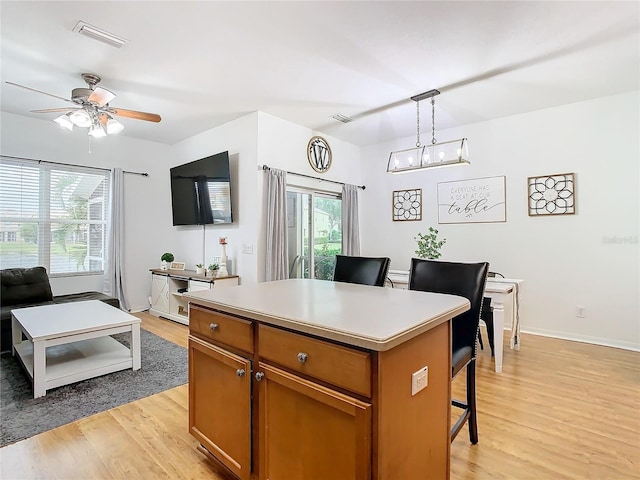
(144, 174)
(266, 167)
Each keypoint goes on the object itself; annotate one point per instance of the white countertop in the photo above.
(370, 317)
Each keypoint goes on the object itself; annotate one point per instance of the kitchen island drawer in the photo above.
(335, 364)
(209, 324)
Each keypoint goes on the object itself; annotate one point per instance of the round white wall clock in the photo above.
(319, 154)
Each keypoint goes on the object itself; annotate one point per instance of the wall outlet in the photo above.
(419, 380)
(580, 311)
(247, 248)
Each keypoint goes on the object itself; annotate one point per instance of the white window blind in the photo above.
(54, 216)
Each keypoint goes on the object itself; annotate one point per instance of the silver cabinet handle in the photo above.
(302, 357)
(213, 326)
(240, 372)
(259, 376)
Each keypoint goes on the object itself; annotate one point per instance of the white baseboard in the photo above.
(605, 342)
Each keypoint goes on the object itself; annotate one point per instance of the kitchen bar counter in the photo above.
(308, 378)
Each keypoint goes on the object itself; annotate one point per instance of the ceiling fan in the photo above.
(91, 109)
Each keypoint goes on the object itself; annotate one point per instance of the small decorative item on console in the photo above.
(213, 269)
(166, 257)
(200, 269)
(223, 258)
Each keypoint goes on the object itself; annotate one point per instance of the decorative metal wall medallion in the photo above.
(407, 205)
(319, 154)
(551, 194)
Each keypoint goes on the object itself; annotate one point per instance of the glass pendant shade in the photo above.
(97, 130)
(114, 126)
(64, 121)
(453, 152)
(80, 118)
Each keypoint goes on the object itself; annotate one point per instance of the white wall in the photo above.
(146, 213)
(565, 260)
(239, 138)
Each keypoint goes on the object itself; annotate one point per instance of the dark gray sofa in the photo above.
(30, 287)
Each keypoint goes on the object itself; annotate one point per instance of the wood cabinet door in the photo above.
(160, 293)
(220, 404)
(310, 432)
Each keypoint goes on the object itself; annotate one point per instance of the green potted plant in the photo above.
(428, 244)
(213, 269)
(199, 268)
(166, 258)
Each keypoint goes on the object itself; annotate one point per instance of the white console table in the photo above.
(169, 286)
(504, 299)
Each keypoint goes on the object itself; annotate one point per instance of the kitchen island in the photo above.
(313, 379)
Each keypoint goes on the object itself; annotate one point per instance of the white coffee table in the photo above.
(70, 342)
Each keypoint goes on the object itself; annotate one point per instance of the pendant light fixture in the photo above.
(453, 152)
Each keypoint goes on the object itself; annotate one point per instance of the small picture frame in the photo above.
(551, 195)
(176, 266)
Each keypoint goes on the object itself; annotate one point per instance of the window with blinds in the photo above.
(53, 216)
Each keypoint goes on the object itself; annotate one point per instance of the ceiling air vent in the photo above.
(342, 118)
(98, 34)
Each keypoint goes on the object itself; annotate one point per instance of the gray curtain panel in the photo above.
(350, 222)
(114, 262)
(276, 267)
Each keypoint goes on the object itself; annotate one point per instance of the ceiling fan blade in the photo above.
(101, 96)
(55, 110)
(39, 91)
(149, 117)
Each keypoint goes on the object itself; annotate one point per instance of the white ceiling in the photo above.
(202, 64)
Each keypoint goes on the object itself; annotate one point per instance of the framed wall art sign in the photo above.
(407, 205)
(478, 200)
(551, 195)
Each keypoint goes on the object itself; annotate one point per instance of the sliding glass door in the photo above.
(314, 233)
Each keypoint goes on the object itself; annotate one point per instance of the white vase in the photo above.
(222, 272)
(163, 265)
(199, 271)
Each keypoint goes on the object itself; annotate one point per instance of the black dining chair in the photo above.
(362, 270)
(465, 280)
(486, 315)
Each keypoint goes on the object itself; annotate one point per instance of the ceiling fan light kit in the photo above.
(91, 109)
(422, 157)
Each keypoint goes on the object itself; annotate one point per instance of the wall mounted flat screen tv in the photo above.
(201, 191)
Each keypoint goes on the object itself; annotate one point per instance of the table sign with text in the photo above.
(477, 200)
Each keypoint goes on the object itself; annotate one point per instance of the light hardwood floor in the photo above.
(559, 410)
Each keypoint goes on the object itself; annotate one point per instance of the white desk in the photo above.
(504, 299)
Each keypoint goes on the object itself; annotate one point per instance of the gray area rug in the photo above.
(164, 366)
